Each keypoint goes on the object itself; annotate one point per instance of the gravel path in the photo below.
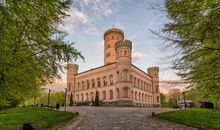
(119, 118)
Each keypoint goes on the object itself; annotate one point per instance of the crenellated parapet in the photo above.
(153, 72)
(123, 43)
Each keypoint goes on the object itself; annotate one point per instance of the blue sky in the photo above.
(89, 19)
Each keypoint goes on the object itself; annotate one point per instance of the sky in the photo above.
(89, 19)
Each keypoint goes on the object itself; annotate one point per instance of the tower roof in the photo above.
(123, 43)
(114, 30)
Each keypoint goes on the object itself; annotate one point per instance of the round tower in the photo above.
(123, 50)
(153, 72)
(72, 70)
(111, 36)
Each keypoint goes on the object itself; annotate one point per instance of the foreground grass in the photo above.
(205, 118)
(44, 118)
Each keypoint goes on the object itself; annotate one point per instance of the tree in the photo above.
(56, 98)
(31, 47)
(96, 103)
(71, 99)
(174, 95)
(193, 29)
(162, 98)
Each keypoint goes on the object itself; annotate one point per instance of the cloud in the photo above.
(84, 13)
(58, 85)
(136, 56)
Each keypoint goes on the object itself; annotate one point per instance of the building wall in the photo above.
(118, 82)
(140, 93)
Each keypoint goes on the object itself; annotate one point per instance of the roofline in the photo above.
(113, 30)
(96, 68)
(141, 70)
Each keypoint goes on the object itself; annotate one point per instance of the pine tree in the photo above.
(71, 99)
(96, 103)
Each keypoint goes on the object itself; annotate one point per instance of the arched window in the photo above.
(111, 80)
(77, 97)
(150, 88)
(104, 95)
(83, 85)
(141, 84)
(126, 92)
(87, 97)
(139, 96)
(104, 81)
(157, 88)
(125, 52)
(158, 99)
(145, 86)
(131, 79)
(92, 96)
(93, 83)
(125, 75)
(118, 95)
(132, 94)
(82, 97)
(138, 85)
(88, 84)
(98, 82)
(111, 94)
(145, 97)
(79, 88)
(135, 82)
(136, 96)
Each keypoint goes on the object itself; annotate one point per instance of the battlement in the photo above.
(123, 43)
(153, 69)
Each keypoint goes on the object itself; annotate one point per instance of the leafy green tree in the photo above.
(96, 103)
(193, 30)
(55, 98)
(31, 47)
(162, 98)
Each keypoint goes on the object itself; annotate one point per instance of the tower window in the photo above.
(108, 46)
(112, 37)
(125, 52)
(108, 54)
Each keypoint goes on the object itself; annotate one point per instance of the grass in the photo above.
(44, 118)
(204, 118)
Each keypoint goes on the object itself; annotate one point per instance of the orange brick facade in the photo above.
(118, 81)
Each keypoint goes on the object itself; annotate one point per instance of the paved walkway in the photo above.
(120, 118)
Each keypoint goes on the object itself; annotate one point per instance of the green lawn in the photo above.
(15, 118)
(205, 118)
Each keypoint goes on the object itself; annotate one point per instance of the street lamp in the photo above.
(48, 98)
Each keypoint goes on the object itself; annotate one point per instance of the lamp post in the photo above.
(48, 98)
(65, 99)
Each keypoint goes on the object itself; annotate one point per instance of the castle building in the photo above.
(118, 81)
